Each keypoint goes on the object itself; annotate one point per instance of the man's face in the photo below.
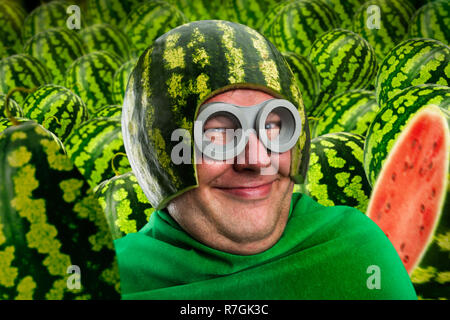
(239, 207)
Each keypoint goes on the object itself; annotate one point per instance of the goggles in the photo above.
(222, 130)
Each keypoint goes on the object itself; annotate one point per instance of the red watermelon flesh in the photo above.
(408, 196)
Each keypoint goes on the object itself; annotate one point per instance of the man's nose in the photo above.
(255, 156)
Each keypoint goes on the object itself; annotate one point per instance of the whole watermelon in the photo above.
(12, 16)
(56, 108)
(93, 145)
(22, 70)
(352, 111)
(150, 20)
(383, 23)
(294, 25)
(50, 224)
(125, 205)
(336, 172)
(412, 62)
(345, 61)
(105, 37)
(91, 78)
(431, 21)
(56, 48)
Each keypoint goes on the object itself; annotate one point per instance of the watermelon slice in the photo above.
(408, 197)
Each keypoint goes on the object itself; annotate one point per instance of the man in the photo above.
(227, 225)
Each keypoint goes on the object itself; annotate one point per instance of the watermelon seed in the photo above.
(394, 176)
(405, 166)
(414, 143)
(406, 259)
(388, 206)
(402, 246)
(422, 228)
(422, 208)
(435, 145)
(430, 165)
(433, 192)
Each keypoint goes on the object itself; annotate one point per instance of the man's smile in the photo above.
(249, 191)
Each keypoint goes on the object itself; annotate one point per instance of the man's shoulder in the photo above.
(356, 248)
(334, 221)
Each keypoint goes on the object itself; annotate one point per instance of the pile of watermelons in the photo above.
(374, 76)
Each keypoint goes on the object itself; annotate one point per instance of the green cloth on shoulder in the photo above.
(324, 253)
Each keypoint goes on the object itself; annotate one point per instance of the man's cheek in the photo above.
(279, 164)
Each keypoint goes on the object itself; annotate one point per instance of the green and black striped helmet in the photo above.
(182, 69)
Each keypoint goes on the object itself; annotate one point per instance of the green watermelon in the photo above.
(336, 173)
(56, 108)
(384, 23)
(22, 70)
(56, 49)
(200, 9)
(11, 20)
(345, 10)
(431, 21)
(106, 37)
(126, 208)
(112, 111)
(294, 25)
(408, 197)
(307, 77)
(91, 147)
(48, 15)
(91, 77)
(345, 61)
(413, 62)
(391, 120)
(179, 72)
(248, 12)
(5, 123)
(14, 109)
(352, 111)
(150, 20)
(120, 80)
(113, 12)
(50, 223)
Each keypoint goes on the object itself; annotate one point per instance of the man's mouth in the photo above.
(250, 192)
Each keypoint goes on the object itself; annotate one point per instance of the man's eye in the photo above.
(218, 135)
(272, 129)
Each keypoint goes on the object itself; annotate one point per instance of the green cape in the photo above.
(324, 253)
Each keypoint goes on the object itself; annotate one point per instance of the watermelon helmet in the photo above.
(175, 76)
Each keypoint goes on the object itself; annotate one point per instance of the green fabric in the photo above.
(324, 253)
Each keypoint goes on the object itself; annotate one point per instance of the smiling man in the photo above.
(227, 225)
